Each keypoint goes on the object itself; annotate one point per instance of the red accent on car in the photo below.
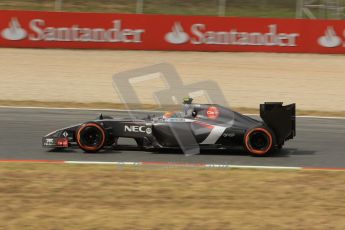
(204, 124)
(62, 142)
(212, 112)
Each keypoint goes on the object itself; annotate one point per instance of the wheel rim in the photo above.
(91, 137)
(258, 141)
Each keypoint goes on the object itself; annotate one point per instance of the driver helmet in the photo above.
(170, 114)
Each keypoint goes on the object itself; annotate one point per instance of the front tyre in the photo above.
(91, 137)
(258, 141)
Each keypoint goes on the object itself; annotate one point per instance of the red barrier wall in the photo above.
(167, 32)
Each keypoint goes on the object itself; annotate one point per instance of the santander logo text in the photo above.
(199, 34)
(39, 30)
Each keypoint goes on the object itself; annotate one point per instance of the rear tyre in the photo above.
(259, 141)
(91, 137)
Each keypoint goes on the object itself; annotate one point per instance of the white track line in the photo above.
(103, 163)
(303, 116)
(172, 165)
(143, 111)
(252, 167)
(78, 109)
(319, 117)
(165, 164)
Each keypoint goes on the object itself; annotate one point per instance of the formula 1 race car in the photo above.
(197, 126)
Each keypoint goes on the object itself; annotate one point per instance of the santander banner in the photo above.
(166, 32)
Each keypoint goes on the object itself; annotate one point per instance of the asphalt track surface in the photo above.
(319, 142)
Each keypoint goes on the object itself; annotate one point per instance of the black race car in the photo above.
(197, 126)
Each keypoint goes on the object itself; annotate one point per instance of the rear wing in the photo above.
(281, 119)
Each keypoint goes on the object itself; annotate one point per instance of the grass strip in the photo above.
(57, 196)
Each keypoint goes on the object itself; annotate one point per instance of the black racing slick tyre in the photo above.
(259, 141)
(91, 137)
